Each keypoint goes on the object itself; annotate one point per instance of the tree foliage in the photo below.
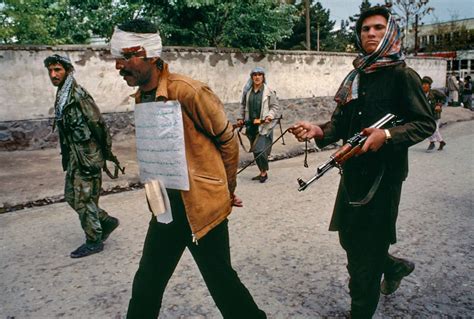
(244, 24)
(247, 24)
(57, 21)
(319, 22)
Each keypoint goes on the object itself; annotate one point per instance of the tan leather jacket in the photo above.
(212, 151)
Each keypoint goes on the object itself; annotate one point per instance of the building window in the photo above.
(431, 40)
(449, 65)
(447, 37)
(439, 39)
(463, 64)
(424, 40)
(456, 65)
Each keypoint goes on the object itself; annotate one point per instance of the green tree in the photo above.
(58, 21)
(245, 24)
(29, 22)
(343, 38)
(319, 24)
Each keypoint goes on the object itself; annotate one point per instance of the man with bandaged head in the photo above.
(366, 207)
(85, 146)
(200, 214)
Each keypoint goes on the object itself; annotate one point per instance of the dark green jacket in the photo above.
(395, 90)
(84, 137)
(435, 97)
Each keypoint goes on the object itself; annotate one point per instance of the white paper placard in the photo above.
(160, 144)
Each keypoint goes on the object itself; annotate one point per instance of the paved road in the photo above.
(281, 248)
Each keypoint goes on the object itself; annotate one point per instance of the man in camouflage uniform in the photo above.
(85, 145)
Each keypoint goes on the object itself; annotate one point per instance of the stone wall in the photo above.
(27, 96)
(36, 134)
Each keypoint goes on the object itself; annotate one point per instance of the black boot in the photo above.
(402, 269)
(108, 226)
(431, 146)
(441, 145)
(87, 249)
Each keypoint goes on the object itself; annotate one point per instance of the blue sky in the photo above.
(445, 10)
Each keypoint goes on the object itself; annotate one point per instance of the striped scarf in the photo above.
(62, 96)
(388, 53)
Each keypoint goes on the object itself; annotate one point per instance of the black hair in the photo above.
(57, 59)
(427, 79)
(138, 26)
(372, 11)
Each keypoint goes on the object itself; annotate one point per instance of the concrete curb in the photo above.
(28, 184)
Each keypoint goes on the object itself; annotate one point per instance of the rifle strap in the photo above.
(109, 174)
(241, 142)
(264, 152)
(370, 194)
(305, 163)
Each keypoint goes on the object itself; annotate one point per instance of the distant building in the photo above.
(453, 40)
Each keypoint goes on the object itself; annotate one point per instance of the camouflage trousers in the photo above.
(82, 194)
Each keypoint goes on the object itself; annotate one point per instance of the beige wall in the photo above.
(26, 92)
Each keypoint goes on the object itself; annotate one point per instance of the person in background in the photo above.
(453, 89)
(467, 93)
(258, 108)
(366, 208)
(85, 146)
(436, 100)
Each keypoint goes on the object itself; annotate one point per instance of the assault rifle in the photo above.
(351, 148)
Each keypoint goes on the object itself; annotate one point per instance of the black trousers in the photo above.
(367, 260)
(163, 247)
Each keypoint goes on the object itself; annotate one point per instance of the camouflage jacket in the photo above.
(84, 138)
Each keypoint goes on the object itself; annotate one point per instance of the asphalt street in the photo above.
(280, 246)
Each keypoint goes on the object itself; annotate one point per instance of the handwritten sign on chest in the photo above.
(160, 144)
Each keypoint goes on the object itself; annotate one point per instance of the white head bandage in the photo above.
(123, 44)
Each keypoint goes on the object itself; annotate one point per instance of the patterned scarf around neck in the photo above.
(62, 96)
(388, 53)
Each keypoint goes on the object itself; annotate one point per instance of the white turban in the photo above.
(131, 42)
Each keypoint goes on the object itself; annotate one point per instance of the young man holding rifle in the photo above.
(367, 202)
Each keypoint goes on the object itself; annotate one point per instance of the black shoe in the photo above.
(263, 178)
(256, 178)
(389, 286)
(441, 145)
(431, 146)
(87, 249)
(108, 226)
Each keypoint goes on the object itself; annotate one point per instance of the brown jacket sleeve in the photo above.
(209, 115)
